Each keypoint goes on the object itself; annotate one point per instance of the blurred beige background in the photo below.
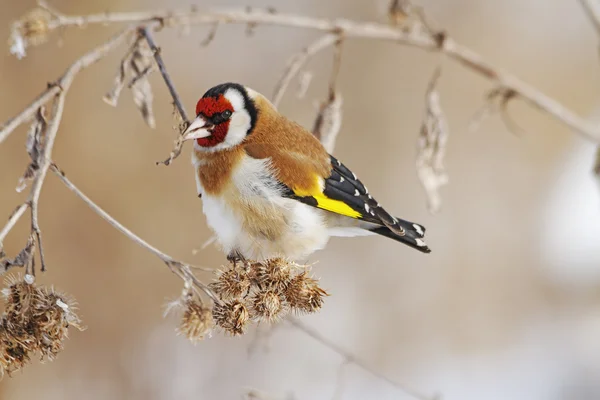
(506, 306)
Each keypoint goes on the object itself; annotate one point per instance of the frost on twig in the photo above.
(431, 147)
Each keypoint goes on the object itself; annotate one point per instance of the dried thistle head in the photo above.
(32, 29)
(197, 321)
(268, 305)
(35, 320)
(304, 293)
(231, 282)
(232, 316)
(274, 273)
(53, 314)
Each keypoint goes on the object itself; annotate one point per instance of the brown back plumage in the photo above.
(296, 155)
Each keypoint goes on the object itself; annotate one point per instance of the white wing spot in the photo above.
(356, 192)
(419, 229)
(341, 179)
(420, 243)
(354, 176)
(339, 163)
(367, 209)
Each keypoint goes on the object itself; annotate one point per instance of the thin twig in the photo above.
(12, 220)
(163, 71)
(143, 31)
(170, 261)
(352, 359)
(296, 63)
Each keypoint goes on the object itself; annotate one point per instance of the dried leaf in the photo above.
(112, 97)
(329, 121)
(22, 259)
(211, 35)
(141, 60)
(432, 146)
(34, 146)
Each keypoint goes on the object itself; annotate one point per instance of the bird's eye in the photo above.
(226, 114)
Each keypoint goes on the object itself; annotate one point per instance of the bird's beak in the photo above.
(199, 128)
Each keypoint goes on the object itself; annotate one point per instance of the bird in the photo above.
(270, 189)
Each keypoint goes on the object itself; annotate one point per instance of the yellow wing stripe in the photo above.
(336, 206)
(326, 203)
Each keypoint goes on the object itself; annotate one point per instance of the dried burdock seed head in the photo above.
(53, 314)
(32, 29)
(275, 273)
(268, 305)
(36, 320)
(231, 316)
(304, 293)
(197, 321)
(231, 282)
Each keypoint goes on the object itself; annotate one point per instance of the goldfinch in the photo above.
(270, 189)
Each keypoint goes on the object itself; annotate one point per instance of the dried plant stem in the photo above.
(143, 31)
(163, 71)
(12, 220)
(424, 39)
(352, 359)
(181, 269)
(296, 63)
(64, 81)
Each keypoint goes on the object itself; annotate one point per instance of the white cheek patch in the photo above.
(236, 99)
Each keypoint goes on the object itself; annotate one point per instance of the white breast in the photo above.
(303, 229)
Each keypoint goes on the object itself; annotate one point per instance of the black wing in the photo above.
(343, 185)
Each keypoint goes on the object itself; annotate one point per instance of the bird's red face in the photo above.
(217, 112)
(225, 115)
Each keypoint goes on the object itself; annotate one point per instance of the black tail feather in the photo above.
(411, 238)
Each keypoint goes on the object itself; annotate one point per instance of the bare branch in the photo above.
(439, 42)
(182, 269)
(352, 359)
(296, 63)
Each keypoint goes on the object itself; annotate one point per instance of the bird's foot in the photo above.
(234, 257)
